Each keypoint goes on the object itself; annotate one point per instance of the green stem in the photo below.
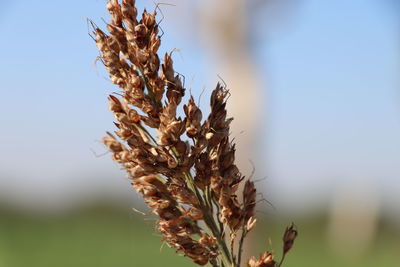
(213, 227)
(209, 220)
(282, 259)
(149, 89)
(240, 250)
(221, 225)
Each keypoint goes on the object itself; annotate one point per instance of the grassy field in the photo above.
(103, 237)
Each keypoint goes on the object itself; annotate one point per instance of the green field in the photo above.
(101, 237)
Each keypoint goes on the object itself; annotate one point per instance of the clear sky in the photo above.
(332, 113)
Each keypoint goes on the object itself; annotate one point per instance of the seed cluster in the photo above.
(190, 182)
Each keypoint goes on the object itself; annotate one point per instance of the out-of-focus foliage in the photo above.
(108, 237)
(94, 237)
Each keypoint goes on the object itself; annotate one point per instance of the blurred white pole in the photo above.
(224, 31)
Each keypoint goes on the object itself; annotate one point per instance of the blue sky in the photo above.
(335, 98)
(332, 113)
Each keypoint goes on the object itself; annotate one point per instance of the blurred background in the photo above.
(316, 101)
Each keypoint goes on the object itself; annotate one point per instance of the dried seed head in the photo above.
(288, 238)
(265, 260)
(203, 171)
(149, 19)
(113, 145)
(195, 214)
(251, 223)
(170, 128)
(252, 262)
(208, 241)
(161, 170)
(194, 117)
(249, 200)
(128, 10)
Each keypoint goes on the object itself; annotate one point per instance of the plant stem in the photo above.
(282, 259)
(210, 222)
(240, 250)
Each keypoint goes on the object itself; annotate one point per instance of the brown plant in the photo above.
(191, 184)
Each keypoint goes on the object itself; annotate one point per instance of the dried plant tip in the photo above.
(251, 223)
(195, 214)
(194, 117)
(288, 238)
(249, 200)
(208, 241)
(265, 260)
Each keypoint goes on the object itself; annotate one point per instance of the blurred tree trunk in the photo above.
(226, 28)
